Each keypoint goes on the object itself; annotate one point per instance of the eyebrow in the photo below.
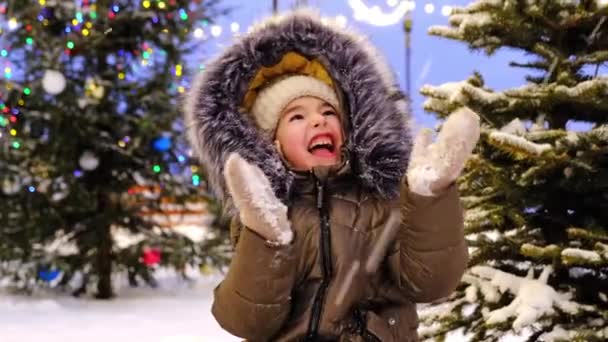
(292, 109)
(325, 104)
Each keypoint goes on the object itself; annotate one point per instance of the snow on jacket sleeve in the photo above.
(430, 251)
(254, 299)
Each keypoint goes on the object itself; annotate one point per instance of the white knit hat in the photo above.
(271, 101)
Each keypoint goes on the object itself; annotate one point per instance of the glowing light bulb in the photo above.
(446, 10)
(234, 27)
(12, 24)
(199, 33)
(341, 21)
(216, 30)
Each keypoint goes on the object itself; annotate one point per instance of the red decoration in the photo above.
(151, 256)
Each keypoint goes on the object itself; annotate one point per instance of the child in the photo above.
(304, 136)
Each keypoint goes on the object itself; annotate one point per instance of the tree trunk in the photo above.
(104, 255)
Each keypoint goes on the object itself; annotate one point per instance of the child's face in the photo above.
(309, 133)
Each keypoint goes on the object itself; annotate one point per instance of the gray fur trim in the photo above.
(378, 138)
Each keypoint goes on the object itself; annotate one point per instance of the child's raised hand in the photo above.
(259, 208)
(434, 166)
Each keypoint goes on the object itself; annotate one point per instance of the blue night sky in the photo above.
(434, 60)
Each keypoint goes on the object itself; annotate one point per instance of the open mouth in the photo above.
(322, 145)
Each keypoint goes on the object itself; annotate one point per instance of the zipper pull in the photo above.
(319, 195)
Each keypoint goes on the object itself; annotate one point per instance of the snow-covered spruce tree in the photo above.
(536, 191)
(89, 109)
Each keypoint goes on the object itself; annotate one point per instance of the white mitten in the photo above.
(259, 209)
(434, 166)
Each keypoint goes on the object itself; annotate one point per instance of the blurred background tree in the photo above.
(92, 149)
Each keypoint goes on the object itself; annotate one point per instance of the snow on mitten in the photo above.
(259, 209)
(434, 166)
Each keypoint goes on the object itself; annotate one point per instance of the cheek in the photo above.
(337, 128)
(291, 139)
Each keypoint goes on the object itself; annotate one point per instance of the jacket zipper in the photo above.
(325, 244)
(362, 330)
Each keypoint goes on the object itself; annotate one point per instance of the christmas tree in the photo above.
(536, 190)
(91, 142)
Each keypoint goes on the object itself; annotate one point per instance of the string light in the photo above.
(182, 14)
(216, 30)
(199, 33)
(196, 180)
(146, 4)
(12, 24)
(16, 145)
(178, 70)
(341, 21)
(4, 53)
(446, 10)
(156, 168)
(234, 27)
(31, 189)
(429, 8)
(375, 15)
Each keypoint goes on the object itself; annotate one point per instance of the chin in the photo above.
(325, 162)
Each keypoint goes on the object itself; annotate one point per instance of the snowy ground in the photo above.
(175, 312)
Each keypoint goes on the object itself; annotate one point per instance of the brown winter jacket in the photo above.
(270, 293)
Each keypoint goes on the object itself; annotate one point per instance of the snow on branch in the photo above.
(534, 298)
(540, 252)
(594, 88)
(516, 144)
(475, 16)
(580, 257)
(460, 93)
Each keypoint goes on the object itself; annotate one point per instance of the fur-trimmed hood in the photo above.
(378, 138)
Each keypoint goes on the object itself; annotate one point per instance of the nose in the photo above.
(318, 120)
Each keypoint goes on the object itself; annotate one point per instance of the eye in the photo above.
(296, 117)
(329, 112)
